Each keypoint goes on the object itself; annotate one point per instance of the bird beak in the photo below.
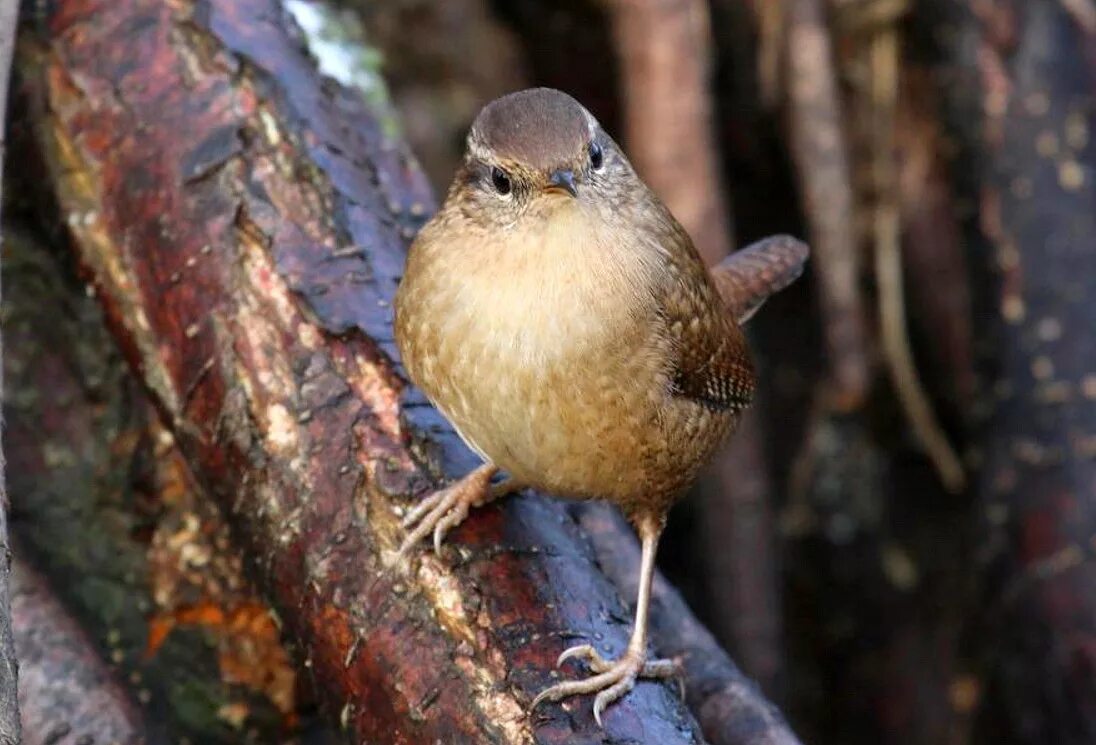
(563, 181)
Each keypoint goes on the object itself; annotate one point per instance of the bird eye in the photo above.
(500, 180)
(597, 157)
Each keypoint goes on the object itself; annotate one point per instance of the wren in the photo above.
(561, 319)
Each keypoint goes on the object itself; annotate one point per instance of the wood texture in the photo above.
(104, 507)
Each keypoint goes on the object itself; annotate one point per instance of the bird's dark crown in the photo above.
(539, 128)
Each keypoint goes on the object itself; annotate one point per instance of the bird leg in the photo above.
(612, 679)
(446, 508)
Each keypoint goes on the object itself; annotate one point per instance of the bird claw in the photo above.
(594, 661)
(612, 679)
(415, 513)
(438, 514)
(445, 509)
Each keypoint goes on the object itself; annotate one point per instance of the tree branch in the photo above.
(822, 164)
(66, 692)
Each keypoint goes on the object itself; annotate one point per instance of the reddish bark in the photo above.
(105, 506)
(244, 226)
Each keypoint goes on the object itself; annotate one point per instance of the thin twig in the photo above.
(888, 266)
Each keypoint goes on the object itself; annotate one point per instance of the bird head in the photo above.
(534, 153)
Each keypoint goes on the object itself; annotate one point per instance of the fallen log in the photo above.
(244, 225)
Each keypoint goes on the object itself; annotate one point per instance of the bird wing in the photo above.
(747, 278)
(710, 362)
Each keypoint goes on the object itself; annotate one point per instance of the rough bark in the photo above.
(67, 694)
(1017, 81)
(247, 270)
(9, 665)
(104, 505)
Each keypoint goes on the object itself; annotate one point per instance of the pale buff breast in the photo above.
(535, 359)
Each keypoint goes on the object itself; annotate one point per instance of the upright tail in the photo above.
(747, 278)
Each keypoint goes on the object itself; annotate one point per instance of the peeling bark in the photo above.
(67, 694)
(246, 267)
(103, 504)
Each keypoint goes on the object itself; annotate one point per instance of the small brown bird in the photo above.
(561, 319)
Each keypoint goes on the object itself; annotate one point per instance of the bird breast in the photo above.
(540, 346)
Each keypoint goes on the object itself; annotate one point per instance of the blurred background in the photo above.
(899, 544)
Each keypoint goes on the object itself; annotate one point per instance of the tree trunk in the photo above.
(1026, 160)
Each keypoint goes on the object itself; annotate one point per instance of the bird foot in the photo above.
(611, 680)
(445, 509)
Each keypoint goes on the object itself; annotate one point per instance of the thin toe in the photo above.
(662, 669)
(611, 680)
(425, 505)
(568, 688)
(612, 694)
(582, 651)
(454, 517)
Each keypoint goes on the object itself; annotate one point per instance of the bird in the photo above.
(562, 320)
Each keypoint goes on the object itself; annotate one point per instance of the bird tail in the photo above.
(747, 278)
